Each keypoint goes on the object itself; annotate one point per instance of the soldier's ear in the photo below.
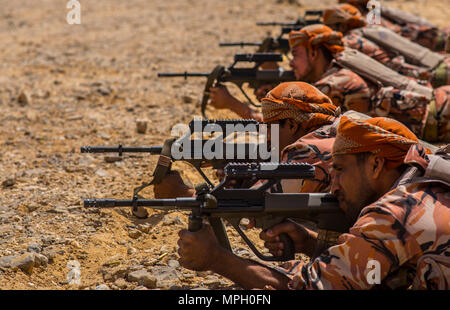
(377, 164)
(293, 125)
(313, 53)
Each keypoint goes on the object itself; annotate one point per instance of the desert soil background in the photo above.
(64, 86)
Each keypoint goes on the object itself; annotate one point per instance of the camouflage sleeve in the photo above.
(377, 239)
(430, 37)
(367, 47)
(401, 66)
(347, 90)
(314, 152)
(439, 115)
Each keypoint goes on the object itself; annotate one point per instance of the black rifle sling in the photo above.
(161, 170)
(213, 77)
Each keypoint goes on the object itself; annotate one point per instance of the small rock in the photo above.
(58, 210)
(141, 126)
(114, 274)
(102, 287)
(164, 273)
(50, 254)
(143, 278)
(23, 99)
(178, 220)
(173, 263)
(25, 262)
(187, 99)
(75, 244)
(6, 261)
(8, 183)
(242, 252)
(34, 247)
(135, 267)
(134, 233)
(102, 173)
(131, 251)
(121, 283)
(188, 275)
(74, 274)
(168, 220)
(112, 159)
(41, 260)
(145, 228)
(165, 249)
(32, 207)
(104, 136)
(104, 91)
(119, 272)
(75, 117)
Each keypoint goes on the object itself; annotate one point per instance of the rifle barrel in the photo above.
(258, 57)
(241, 44)
(286, 24)
(176, 203)
(185, 74)
(120, 149)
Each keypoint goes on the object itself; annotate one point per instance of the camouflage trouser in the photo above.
(441, 75)
(429, 120)
(437, 128)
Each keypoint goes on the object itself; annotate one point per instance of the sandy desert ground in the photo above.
(64, 86)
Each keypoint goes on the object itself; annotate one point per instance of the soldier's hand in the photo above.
(199, 250)
(262, 91)
(220, 174)
(304, 239)
(172, 186)
(221, 97)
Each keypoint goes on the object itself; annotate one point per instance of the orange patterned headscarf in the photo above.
(299, 101)
(355, 2)
(344, 14)
(315, 35)
(383, 136)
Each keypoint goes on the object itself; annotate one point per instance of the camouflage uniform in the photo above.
(430, 37)
(351, 92)
(316, 115)
(419, 31)
(314, 149)
(406, 231)
(348, 19)
(346, 89)
(396, 63)
(428, 120)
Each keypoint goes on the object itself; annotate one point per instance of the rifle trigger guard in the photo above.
(288, 255)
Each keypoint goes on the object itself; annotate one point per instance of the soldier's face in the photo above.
(286, 133)
(300, 63)
(351, 185)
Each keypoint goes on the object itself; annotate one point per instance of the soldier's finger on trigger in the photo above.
(271, 246)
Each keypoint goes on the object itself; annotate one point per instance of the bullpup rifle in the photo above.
(253, 76)
(279, 44)
(233, 204)
(191, 150)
